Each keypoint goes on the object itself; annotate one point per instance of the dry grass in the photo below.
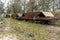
(28, 31)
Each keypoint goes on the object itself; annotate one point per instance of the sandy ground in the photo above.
(54, 32)
(8, 37)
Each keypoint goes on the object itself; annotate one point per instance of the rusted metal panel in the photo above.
(14, 15)
(37, 16)
(8, 15)
(31, 14)
(46, 19)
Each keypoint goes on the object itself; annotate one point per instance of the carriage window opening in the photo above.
(40, 15)
(23, 15)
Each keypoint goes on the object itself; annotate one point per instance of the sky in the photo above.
(5, 2)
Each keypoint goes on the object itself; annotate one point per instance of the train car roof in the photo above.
(48, 14)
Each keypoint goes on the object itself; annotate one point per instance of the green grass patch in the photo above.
(39, 31)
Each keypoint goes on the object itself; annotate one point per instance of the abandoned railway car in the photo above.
(14, 15)
(34, 16)
(37, 16)
(8, 15)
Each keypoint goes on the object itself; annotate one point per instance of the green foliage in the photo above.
(15, 7)
(1, 7)
(18, 6)
(31, 6)
(44, 4)
(56, 14)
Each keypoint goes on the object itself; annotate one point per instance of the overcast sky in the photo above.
(5, 2)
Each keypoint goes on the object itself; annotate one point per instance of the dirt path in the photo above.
(54, 32)
(8, 37)
(55, 29)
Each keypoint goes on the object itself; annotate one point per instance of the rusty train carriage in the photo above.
(8, 15)
(37, 16)
(14, 16)
(34, 16)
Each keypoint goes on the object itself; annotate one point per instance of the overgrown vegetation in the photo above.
(57, 15)
(26, 30)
